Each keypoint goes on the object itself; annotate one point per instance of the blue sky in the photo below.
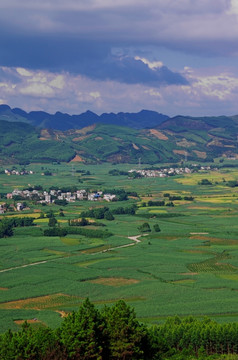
(175, 57)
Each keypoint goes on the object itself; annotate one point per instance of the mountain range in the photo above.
(117, 138)
(60, 121)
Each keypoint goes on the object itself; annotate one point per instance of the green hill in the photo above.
(20, 143)
(195, 138)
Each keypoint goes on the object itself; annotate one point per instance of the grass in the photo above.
(190, 267)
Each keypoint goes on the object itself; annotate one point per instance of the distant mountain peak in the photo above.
(64, 121)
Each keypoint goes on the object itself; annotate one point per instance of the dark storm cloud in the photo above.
(92, 59)
(131, 71)
(183, 23)
(79, 36)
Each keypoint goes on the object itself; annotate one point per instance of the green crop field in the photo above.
(189, 267)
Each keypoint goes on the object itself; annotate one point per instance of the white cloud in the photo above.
(38, 77)
(58, 82)
(206, 94)
(95, 94)
(151, 64)
(6, 88)
(37, 89)
(233, 9)
(153, 92)
(23, 72)
(3, 85)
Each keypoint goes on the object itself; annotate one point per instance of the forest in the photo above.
(115, 333)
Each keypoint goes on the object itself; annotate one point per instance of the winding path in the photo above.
(133, 238)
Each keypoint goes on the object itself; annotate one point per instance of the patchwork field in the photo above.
(189, 267)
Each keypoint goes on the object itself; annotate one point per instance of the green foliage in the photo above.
(127, 338)
(81, 222)
(23, 143)
(5, 228)
(156, 228)
(47, 173)
(205, 182)
(61, 202)
(134, 175)
(108, 215)
(61, 213)
(144, 228)
(232, 183)
(130, 210)
(175, 197)
(98, 213)
(83, 334)
(50, 214)
(170, 203)
(63, 231)
(116, 172)
(52, 221)
(188, 198)
(89, 232)
(7, 225)
(114, 333)
(156, 203)
(55, 231)
(29, 344)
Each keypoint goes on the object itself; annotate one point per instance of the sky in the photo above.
(171, 56)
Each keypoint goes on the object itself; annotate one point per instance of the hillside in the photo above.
(171, 141)
(21, 143)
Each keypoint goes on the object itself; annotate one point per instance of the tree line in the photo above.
(7, 225)
(114, 333)
(90, 233)
(106, 213)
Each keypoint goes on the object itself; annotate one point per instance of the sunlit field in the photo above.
(189, 267)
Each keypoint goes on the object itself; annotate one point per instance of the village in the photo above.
(53, 196)
(18, 172)
(172, 171)
(60, 197)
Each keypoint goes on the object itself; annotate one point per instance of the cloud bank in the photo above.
(47, 45)
(213, 94)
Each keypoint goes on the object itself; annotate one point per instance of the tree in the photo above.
(157, 228)
(52, 221)
(127, 338)
(5, 228)
(29, 344)
(61, 213)
(108, 215)
(205, 182)
(50, 214)
(144, 228)
(83, 334)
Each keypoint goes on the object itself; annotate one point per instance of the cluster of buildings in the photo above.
(162, 172)
(53, 195)
(18, 172)
(13, 207)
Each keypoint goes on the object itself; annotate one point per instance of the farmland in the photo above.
(190, 267)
